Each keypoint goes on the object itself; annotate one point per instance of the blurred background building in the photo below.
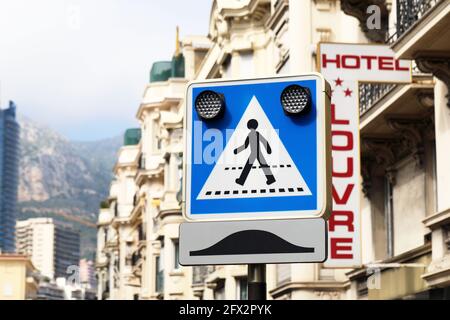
(405, 143)
(87, 274)
(18, 278)
(52, 246)
(9, 171)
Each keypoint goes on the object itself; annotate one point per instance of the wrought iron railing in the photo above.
(408, 13)
(370, 93)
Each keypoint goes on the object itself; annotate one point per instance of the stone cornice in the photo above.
(438, 219)
(224, 18)
(143, 176)
(437, 63)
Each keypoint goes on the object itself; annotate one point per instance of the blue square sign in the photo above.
(257, 149)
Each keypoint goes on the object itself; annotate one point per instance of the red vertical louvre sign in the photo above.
(344, 66)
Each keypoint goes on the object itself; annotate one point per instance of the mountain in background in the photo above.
(63, 179)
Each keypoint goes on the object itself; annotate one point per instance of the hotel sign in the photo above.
(345, 66)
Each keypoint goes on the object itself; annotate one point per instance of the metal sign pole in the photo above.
(256, 282)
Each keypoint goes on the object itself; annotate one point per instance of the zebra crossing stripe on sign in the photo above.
(254, 163)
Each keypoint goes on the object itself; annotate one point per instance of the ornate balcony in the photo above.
(408, 13)
(370, 93)
(422, 26)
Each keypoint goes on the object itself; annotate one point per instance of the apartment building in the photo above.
(113, 272)
(52, 246)
(404, 134)
(404, 151)
(87, 274)
(138, 224)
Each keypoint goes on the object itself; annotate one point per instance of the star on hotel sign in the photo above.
(338, 82)
(348, 92)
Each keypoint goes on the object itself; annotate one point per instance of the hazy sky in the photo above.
(80, 66)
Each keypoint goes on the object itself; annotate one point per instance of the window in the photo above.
(389, 215)
(159, 283)
(176, 254)
(241, 289)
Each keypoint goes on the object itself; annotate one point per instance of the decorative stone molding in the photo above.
(323, 289)
(382, 150)
(222, 29)
(328, 295)
(324, 5)
(411, 135)
(438, 272)
(358, 9)
(367, 164)
(324, 34)
(197, 290)
(425, 98)
(226, 17)
(156, 246)
(437, 64)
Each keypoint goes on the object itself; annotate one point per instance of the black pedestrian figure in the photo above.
(253, 140)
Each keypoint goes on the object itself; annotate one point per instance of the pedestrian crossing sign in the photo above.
(257, 149)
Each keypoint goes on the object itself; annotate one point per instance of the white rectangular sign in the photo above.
(243, 242)
(345, 66)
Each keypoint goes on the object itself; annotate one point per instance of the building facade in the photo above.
(404, 151)
(111, 267)
(87, 274)
(9, 172)
(18, 278)
(54, 248)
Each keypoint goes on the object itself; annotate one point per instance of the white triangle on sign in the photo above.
(222, 184)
